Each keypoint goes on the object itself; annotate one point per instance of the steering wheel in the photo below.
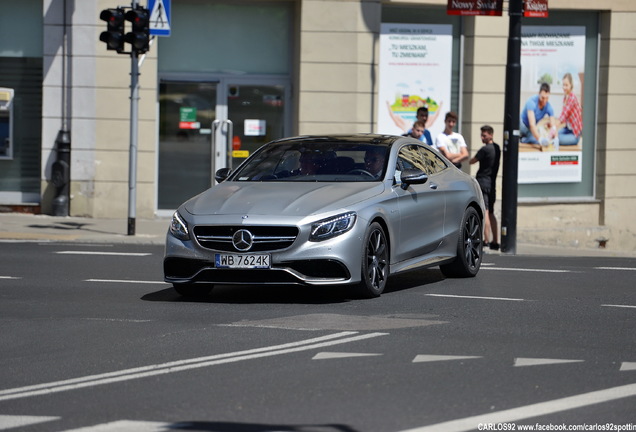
(361, 171)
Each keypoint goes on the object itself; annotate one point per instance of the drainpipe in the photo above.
(61, 168)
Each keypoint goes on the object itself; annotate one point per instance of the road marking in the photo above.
(521, 362)
(118, 320)
(130, 426)
(619, 306)
(534, 410)
(124, 281)
(104, 253)
(423, 358)
(10, 277)
(528, 270)
(475, 297)
(341, 355)
(182, 365)
(616, 268)
(627, 366)
(10, 421)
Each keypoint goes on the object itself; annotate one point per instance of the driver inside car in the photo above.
(374, 161)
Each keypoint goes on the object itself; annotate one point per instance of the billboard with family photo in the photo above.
(551, 125)
(415, 71)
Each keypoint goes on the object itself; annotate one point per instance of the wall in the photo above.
(97, 114)
(338, 65)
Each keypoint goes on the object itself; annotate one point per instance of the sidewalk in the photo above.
(29, 227)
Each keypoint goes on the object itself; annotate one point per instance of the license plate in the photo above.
(242, 261)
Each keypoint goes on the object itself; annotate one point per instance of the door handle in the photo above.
(433, 186)
(229, 131)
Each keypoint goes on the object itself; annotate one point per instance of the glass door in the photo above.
(257, 115)
(186, 113)
(205, 126)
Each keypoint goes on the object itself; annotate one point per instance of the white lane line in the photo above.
(341, 355)
(619, 306)
(425, 358)
(534, 410)
(125, 281)
(131, 426)
(139, 254)
(528, 270)
(182, 365)
(12, 421)
(475, 297)
(521, 362)
(616, 268)
(10, 277)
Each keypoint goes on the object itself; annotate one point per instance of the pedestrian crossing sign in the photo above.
(159, 17)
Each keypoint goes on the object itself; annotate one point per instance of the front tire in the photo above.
(192, 290)
(375, 262)
(469, 247)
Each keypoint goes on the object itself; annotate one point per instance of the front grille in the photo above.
(265, 238)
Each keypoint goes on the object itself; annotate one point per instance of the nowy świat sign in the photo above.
(475, 7)
(532, 8)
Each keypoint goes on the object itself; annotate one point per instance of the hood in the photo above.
(280, 198)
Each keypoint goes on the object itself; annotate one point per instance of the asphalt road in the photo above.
(93, 340)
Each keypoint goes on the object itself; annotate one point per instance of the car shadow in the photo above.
(296, 294)
(255, 427)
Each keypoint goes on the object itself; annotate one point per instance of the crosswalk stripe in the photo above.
(126, 426)
(13, 421)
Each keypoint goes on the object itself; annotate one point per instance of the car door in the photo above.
(421, 207)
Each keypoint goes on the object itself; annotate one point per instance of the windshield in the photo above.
(315, 161)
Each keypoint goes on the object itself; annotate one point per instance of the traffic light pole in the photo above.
(511, 131)
(132, 157)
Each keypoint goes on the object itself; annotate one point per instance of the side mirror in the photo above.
(222, 174)
(412, 176)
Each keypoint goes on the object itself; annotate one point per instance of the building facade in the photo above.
(235, 74)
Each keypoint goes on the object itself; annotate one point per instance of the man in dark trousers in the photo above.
(488, 157)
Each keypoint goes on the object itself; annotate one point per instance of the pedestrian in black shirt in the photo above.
(488, 157)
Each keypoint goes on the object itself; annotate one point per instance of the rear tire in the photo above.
(375, 262)
(469, 247)
(192, 290)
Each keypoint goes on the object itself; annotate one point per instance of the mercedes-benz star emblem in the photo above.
(242, 240)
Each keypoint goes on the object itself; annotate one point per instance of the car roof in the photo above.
(374, 139)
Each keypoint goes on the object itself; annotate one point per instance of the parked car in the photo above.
(328, 210)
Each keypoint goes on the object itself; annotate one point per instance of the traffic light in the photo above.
(114, 35)
(139, 37)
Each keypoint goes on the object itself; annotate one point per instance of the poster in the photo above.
(415, 71)
(550, 147)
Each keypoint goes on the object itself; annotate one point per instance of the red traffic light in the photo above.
(139, 37)
(114, 17)
(114, 34)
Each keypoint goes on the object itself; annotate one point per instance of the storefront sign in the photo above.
(188, 118)
(415, 71)
(535, 8)
(475, 7)
(254, 127)
(554, 56)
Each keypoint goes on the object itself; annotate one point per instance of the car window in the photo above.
(331, 161)
(410, 157)
(432, 161)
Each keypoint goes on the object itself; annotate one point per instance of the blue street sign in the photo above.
(159, 17)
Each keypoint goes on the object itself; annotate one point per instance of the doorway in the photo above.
(205, 126)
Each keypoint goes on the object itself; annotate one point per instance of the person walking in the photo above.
(488, 157)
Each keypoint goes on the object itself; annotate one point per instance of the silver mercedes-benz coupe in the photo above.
(328, 210)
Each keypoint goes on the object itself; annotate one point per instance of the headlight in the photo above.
(179, 227)
(332, 227)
